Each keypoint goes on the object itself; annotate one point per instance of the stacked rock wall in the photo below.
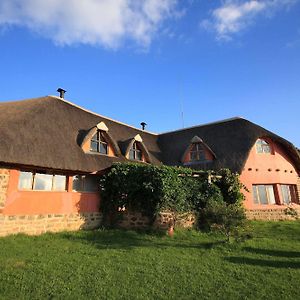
(136, 220)
(273, 214)
(37, 224)
(4, 178)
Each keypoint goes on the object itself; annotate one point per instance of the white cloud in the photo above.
(106, 23)
(235, 15)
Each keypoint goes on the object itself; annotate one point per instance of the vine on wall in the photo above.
(152, 189)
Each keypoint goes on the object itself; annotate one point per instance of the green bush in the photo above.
(230, 186)
(144, 188)
(151, 189)
(227, 218)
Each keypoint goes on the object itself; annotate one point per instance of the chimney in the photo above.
(143, 125)
(61, 93)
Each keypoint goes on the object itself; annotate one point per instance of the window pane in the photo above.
(91, 184)
(193, 155)
(271, 195)
(94, 146)
(59, 183)
(95, 137)
(266, 149)
(102, 138)
(286, 196)
(293, 193)
(103, 148)
(77, 183)
(25, 181)
(255, 196)
(138, 155)
(201, 155)
(131, 154)
(42, 182)
(259, 149)
(262, 194)
(193, 147)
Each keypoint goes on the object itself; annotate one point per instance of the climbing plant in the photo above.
(151, 189)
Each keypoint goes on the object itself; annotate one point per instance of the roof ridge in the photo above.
(96, 114)
(205, 124)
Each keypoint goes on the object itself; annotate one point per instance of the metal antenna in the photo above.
(181, 102)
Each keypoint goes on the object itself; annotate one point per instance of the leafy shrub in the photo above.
(227, 218)
(230, 186)
(144, 188)
(151, 189)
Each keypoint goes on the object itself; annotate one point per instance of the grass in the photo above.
(128, 265)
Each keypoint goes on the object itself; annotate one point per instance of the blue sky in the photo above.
(148, 60)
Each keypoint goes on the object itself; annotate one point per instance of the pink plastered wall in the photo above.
(20, 202)
(262, 168)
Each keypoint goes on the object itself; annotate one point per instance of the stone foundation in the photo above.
(271, 214)
(38, 224)
(4, 178)
(130, 220)
(298, 189)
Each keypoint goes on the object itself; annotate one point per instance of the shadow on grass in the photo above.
(277, 253)
(126, 240)
(263, 263)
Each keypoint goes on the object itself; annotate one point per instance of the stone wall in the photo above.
(135, 220)
(298, 189)
(4, 178)
(271, 214)
(37, 224)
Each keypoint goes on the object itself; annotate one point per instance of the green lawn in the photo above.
(127, 265)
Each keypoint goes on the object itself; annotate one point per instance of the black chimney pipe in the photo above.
(143, 125)
(61, 93)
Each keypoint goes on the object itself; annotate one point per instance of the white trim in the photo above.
(102, 126)
(138, 138)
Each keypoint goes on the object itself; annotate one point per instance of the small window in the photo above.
(197, 152)
(85, 183)
(42, 182)
(25, 181)
(263, 194)
(135, 152)
(262, 146)
(59, 183)
(98, 143)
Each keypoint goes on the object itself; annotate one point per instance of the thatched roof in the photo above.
(230, 140)
(48, 132)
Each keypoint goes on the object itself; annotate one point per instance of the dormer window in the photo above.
(262, 146)
(197, 152)
(135, 153)
(98, 143)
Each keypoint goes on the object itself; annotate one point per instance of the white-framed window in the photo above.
(263, 194)
(135, 153)
(98, 143)
(42, 182)
(85, 183)
(263, 146)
